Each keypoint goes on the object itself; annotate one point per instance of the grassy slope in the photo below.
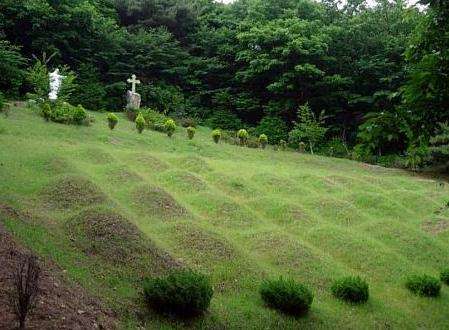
(251, 214)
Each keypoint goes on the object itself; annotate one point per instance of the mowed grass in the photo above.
(236, 214)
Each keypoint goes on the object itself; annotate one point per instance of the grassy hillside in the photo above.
(111, 207)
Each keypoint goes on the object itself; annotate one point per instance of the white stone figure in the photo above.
(55, 84)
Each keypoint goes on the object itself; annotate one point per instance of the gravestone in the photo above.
(133, 99)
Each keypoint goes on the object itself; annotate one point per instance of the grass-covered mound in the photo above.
(424, 285)
(72, 191)
(156, 202)
(351, 289)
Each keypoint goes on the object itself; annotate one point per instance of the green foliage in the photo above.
(64, 113)
(37, 77)
(154, 120)
(140, 123)
(191, 132)
(274, 127)
(12, 64)
(170, 127)
(224, 119)
(243, 136)
(308, 129)
(2, 102)
(351, 289)
(182, 293)
(89, 91)
(335, 147)
(216, 135)
(46, 110)
(444, 276)
(287, 296)
(263, 140)
(112, 120)
(424, 285)
(188, 122)
(439, 144)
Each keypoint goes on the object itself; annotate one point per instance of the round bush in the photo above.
(191, 132)
(140, 123)
(444, 276)
(112, 120)
(351, 289)
(182, 293)
(424, 285)
(79, 115)
(170, 127)
(243, 136)
(263, 140)
(287, 296)
(216, 135)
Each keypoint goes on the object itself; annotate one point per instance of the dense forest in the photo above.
(369, 82)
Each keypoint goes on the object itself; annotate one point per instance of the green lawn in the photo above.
(239, 215)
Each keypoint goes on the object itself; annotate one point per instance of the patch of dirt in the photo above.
(98, 156)
(156, 202)
(151, 162)
(112, 237)
(204, 245)
(435, 227)
(195, 164)
(72, 191)
(185, 181)
(58, 306)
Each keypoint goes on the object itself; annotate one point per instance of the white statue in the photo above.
(55, 84)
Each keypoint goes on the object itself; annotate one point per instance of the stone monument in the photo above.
(55, 84)
(133, 99)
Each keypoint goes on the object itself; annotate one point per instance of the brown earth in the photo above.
(59, 305)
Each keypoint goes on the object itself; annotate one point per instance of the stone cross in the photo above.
(133, 81)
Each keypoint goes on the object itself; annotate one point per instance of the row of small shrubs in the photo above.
(187, 293)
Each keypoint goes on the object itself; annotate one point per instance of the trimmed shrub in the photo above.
(46, 111)
(170, 127)
(263, 140)
(79, 115)
(424, 285)
(243, 136)
(182, 292)
(112, 120)
(283, 145)
(140, 123)
(444, 276)
(274, 127)
(191, 132)
(216, 135)
(287, 296)
(351, 289)
(154, 120)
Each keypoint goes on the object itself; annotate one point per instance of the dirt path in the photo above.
(59, 305)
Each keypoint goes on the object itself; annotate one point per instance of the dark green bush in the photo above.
(225, 120)
(182, 293)
(283, 145)
(191, 132)
(287, 296)
(2, 102)
(188, 122)
(140, 123)
(112, 120)
(64, 113)
(274, 127)
(170, 127)
(424, 285)
(444, 276)
(351, 289)
(216, 135)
